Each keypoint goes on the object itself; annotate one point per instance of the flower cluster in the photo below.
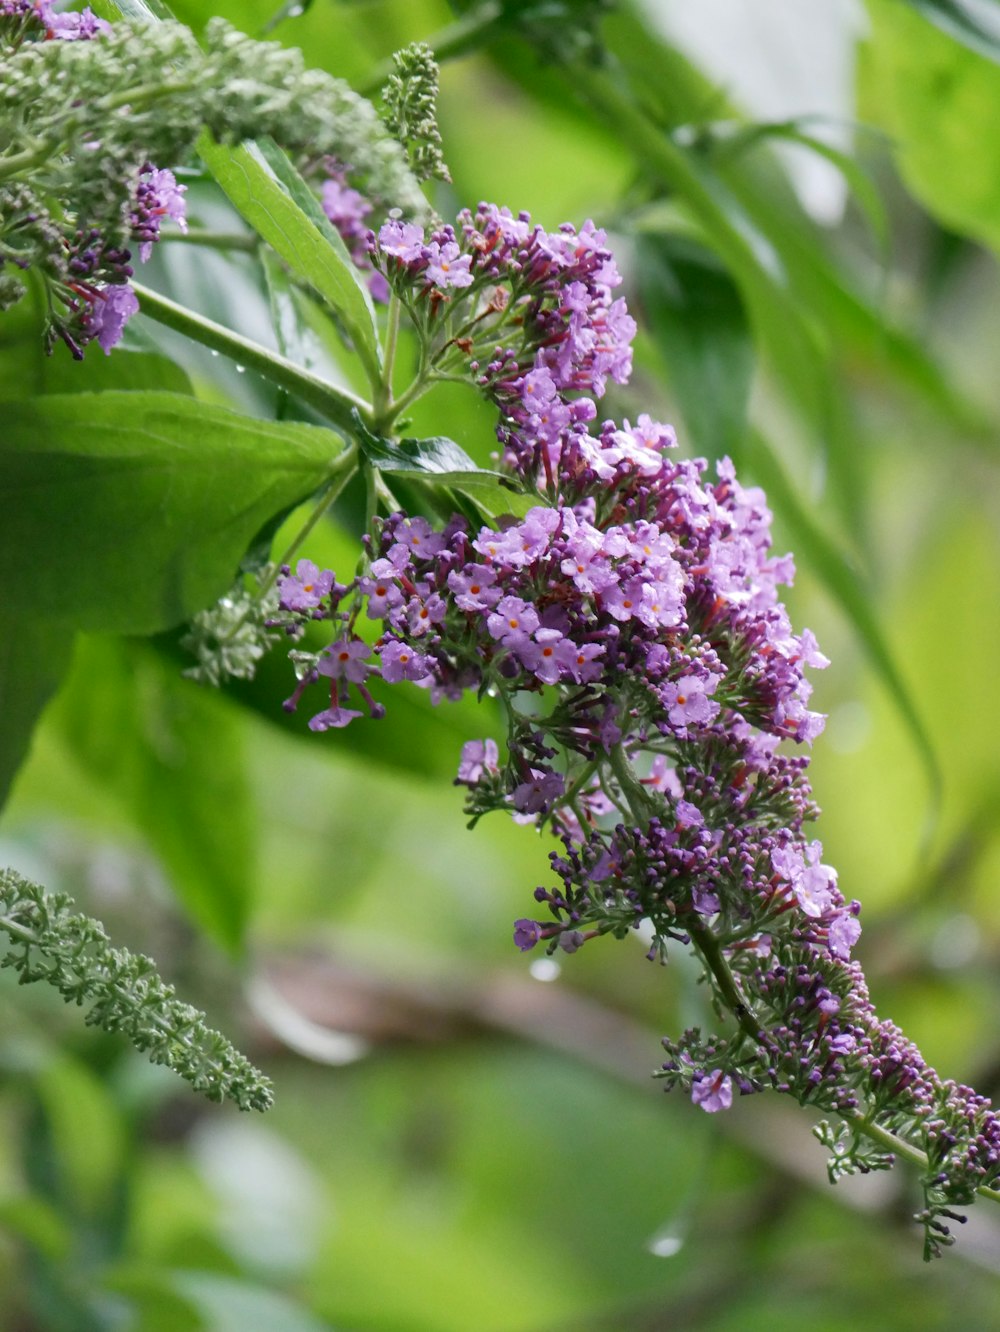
(86, 119)
(91, 281)
(651, 681)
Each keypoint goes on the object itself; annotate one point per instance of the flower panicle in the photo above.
(409, 101)
(51, 942)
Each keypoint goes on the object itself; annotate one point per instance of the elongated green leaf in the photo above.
(697, 318)
(963, 23)
(172, 755)
(947, 160)
(846, 587)
(317, 256)
(33, 659)
(128, 512)
(858, 180)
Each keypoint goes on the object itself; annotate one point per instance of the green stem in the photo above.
(335, 404)
(383, 397)
(19, 932)
(343, 470)
(212, 240)
(632, 789)
(900, 1147)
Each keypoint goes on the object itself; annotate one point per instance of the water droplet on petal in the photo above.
(241, 369)
(214, 352)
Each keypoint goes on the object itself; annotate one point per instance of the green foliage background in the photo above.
(457, 1144)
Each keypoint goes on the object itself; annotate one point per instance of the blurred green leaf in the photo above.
(86, 1132)
(133, 510)
(947, 160)
(38, 1222)
(698, 320)
(172, 756)
(33, 659)
(858, 180)
(232, 1304)
(847, 588)
(273, 205)
(960, 20)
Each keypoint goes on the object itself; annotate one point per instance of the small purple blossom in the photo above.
(111, 310)
(713, 1091)
(478, 757)
(306, 588)
(401, 662)
(536, 795)
(333, 718)
(526, 934)
(346, 659)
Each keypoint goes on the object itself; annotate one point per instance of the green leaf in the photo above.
(172, 756)
(858, 180)
(231, 1304)
(442, 464)
(313, 251)
(128, 512)
(960, 21)
(697, 317)
(847, 588)
(86, 1132)
(936, 96)
(33, 659)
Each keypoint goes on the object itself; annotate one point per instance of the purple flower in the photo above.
(713, 1091)
(306, 588)
(537, 794)
(345, 659)
(400, 662)
(157, 195)
(333, 718)
(688, 701)
(814, 884)
(72, 27)
(478, 757)
(403, 240)
(474, 587)
(111, 311)
(526, 934)
(446, 266)
(513, 622)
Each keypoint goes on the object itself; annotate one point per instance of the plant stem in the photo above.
(383, 397)
(213, 240)
(335, 404)
(343, 470)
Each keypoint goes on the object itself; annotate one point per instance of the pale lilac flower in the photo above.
(306, 588)
(403, 240)
(713, 1091)
(332, 718)
(689, 701)
(346, 659)
(446, 267)
(478, 757)
(536, 794)
(111, 311)
(400, 662)
(513, 622)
